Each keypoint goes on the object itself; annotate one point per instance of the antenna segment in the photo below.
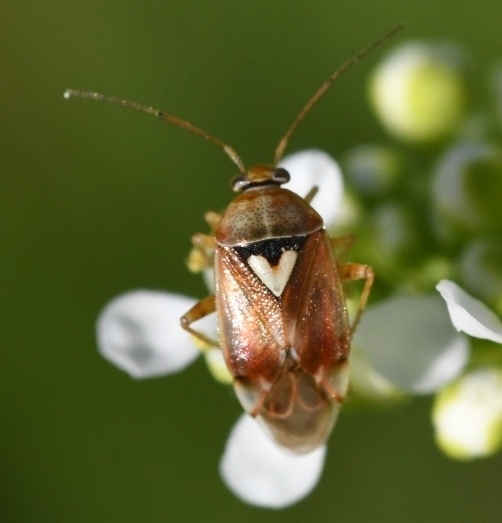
(71, 93)
(229, 151)
(326, 85)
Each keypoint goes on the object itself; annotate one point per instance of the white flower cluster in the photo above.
(405, 344)
(419, 93)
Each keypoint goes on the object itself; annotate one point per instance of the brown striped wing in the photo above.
(249, 317)
(316, 323)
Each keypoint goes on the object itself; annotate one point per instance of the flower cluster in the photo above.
(426, 210)
(434, 197)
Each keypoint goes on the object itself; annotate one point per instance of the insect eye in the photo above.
(259, 176)
(280, 176)
(239, 182)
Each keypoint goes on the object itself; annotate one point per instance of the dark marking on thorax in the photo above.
(271, 249)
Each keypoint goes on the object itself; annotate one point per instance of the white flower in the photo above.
(316, 168)
(140, 333)
(468, 314)
(467, 415)
(409, 341)
(260, 473)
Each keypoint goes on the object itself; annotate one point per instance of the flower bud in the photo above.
(419, 91)
(467, 415)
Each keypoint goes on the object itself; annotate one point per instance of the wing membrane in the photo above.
(315, 315)
(250, 319)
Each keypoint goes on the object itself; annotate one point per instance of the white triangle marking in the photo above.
(274, 277)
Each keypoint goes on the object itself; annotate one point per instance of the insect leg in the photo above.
(202, 254)
(358, 271)
(213, 219)
(311, 194)
(200, 310)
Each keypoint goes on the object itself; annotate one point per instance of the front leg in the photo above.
(200, 310)
(202, 254)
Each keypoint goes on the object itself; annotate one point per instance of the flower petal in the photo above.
(259, 472)
(140, 333)
(368, 385)
(411, 342)
(217, 366)
(316, 168)
(468, 314)
(467, 415)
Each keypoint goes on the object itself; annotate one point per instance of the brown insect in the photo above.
(284, 328)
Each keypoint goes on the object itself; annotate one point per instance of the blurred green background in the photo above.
(96, 200)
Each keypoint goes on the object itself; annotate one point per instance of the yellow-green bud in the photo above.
(467, 415)
(419, 92)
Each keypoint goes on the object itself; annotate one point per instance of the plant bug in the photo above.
(284, 329)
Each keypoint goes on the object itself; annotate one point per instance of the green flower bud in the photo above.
(467, 415)
(419, 92)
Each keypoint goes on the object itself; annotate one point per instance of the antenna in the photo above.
(71, 93)
(279, 151)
